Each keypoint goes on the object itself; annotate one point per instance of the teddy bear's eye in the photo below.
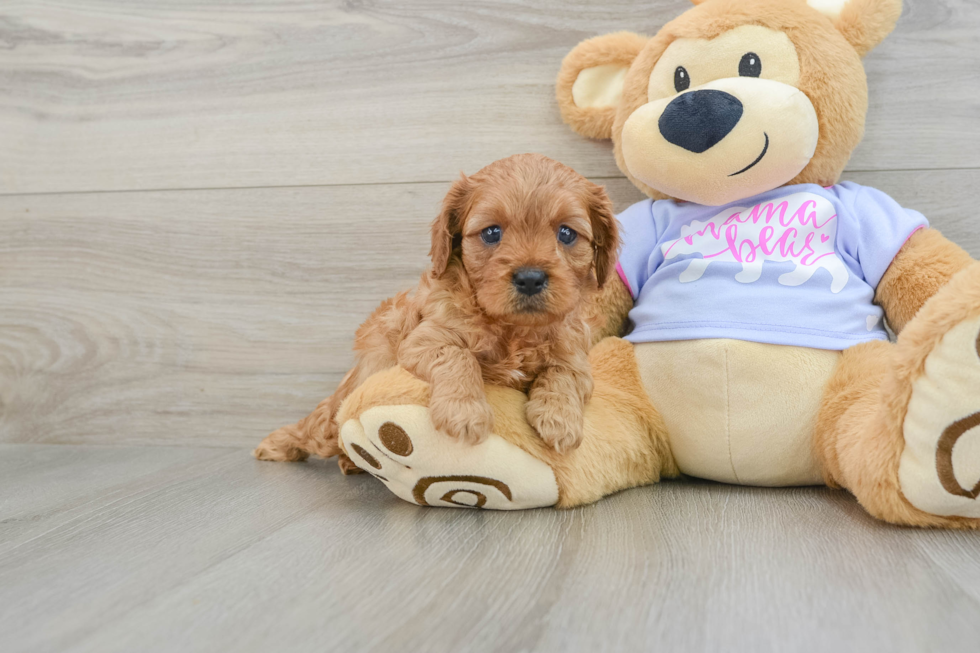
(682, 81)
(750, 65)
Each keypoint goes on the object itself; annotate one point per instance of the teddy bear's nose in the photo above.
(698, 120)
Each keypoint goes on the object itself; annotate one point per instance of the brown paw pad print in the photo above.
(450, 496)
(944, 457)
(395, 439)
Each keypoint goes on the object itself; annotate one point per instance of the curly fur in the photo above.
(465, 324)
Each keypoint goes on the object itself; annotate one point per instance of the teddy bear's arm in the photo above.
(924, 265)
(609, 309)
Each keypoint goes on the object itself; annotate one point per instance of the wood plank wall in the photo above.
(200, 201)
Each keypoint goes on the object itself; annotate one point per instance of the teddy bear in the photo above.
(753, 290)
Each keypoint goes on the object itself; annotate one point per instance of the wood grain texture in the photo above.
(218, 552)
(213, 317)
(124, 94)
(320, 138)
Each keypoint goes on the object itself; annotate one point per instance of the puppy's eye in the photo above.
(491, 235)
(682, 81)
(750, 65)
(567, 235)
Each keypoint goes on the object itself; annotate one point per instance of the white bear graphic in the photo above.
(801, 228)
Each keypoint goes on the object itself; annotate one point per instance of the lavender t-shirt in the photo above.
(797, 265)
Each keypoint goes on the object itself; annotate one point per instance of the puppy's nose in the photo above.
(530, 281)
(698, 120)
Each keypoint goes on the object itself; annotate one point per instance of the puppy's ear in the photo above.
(448, 225)
(590, 83)
(605, 233)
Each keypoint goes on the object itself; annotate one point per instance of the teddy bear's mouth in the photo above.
(765, 149)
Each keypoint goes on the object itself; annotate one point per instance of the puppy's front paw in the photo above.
(469, 420)
(558, 419)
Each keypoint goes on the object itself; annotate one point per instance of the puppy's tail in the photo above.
(315, 434)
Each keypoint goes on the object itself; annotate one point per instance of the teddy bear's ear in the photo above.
(864, 23)
(590, 83)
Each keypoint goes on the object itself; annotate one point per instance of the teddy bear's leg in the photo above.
(899, 422)
(386, 431)
(625, 440)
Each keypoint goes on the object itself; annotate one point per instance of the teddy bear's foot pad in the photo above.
(399, 446)
(939, 470)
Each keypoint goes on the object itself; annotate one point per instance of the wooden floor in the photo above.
(200, 201)
(203, 549)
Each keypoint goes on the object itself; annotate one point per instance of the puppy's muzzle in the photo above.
(530, 281)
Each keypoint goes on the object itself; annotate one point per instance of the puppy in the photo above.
(518, 251)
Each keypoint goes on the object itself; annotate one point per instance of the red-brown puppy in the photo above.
(518, 250)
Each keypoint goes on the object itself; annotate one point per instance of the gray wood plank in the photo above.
(233, 554)
(42, 487)
(148, 533)
(212, 317)
(117, 94)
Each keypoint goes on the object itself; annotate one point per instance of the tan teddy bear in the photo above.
(756, 285)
